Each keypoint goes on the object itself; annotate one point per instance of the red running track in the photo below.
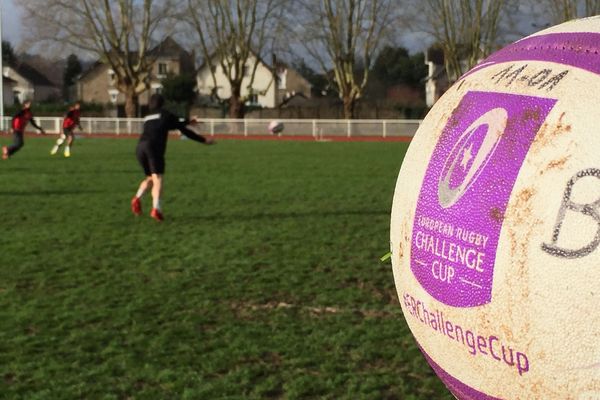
(306, 138)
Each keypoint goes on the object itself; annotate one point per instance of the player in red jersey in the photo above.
(70, 121)
(19, 123)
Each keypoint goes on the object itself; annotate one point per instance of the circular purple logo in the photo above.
(470, 155)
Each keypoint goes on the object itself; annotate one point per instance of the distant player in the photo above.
(70, 121)
(151, 152)
(19, 123)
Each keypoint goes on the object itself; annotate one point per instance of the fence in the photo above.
(317, 128)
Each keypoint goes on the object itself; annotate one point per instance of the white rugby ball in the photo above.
(276, 127)
(495, 227)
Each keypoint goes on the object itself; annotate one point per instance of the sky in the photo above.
(11, 27)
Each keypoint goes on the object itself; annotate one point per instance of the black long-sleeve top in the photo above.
(157, 127)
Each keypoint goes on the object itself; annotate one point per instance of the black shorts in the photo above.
(151, 160)
(68, 131)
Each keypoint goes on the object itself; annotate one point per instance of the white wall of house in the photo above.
(263, 85)
(23, 89)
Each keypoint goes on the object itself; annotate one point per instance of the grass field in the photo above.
(263, 282)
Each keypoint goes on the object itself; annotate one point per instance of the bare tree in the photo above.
(234, 34)
(342, 37)
(467, 30)
(557, 11)
(119, 33)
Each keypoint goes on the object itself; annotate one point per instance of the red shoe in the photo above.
(136, 206)
(157, 215)
(5, 154)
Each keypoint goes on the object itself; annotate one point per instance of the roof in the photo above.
(89, 70)
(168, 48)
(300, 100)
(296, 100)
(8, 80)
(31, 74)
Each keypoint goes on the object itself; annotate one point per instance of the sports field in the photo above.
(264, 281)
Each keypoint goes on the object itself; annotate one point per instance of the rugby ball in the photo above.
(495, 226)
(275, 127)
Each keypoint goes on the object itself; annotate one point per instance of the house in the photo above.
(98, 83)
(436, 82)
(30, 84)
(8, 91)
(271, 86)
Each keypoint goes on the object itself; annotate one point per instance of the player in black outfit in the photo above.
(151, 152)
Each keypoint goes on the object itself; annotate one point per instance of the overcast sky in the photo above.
(11, 28)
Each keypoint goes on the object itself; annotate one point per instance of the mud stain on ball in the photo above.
(400, 250)
(521, 228)
(548, 132)
(496, 214)
(558, 164)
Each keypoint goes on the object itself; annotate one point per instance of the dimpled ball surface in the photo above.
(495, 226)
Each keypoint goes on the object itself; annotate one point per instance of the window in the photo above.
(113, 94)
(162, 69)
(111, 77)
(156, 88)
(246, 71)
(213, 68)
(253, 99)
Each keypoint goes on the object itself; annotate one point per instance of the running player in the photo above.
(19, 122)
(151, 152)
(70, 121)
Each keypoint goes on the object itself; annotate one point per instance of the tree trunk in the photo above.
(236, 106)
(349, 105)
(131, 104)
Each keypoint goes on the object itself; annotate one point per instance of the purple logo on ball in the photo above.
(470, 155)
(465, 192)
